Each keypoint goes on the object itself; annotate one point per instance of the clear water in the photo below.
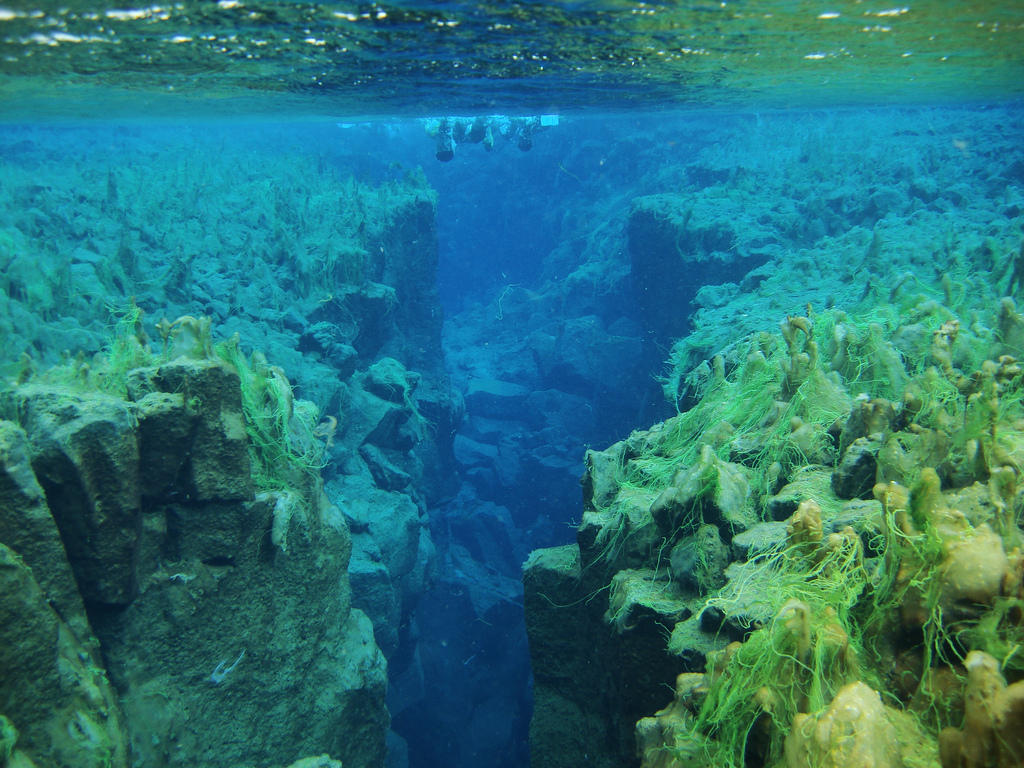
(231, 137)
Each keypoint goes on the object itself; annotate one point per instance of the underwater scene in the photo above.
(494, 385)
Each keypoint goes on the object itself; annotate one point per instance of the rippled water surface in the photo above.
(411, 58)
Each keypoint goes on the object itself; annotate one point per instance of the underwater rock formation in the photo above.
(679, 244)
(215, 624)
(58, 705)
(332, 277)
(880, 623)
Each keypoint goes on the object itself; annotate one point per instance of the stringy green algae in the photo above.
(777, 404)
(284, 448)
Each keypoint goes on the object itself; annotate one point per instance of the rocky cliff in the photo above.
(161, 608)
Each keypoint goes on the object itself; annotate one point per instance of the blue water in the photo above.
(546, 319)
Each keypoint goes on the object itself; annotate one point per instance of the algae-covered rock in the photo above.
(890, 439)
(811, 481)
(64, 709)
(665, 738)
(855, 476)
(218, 465)
(869, 416)
(247, 638)
(208, 605)
(601, 481)
(711, 491)
(85, 455)
(692, 644)
(993, 731)
(622, 534)
(640, 596)
(554, 575)
(570, 708)
(27, 527)
(386, 417)
(699, 561)
(973, 570)
(165, 441)
(758, 539)
(853, 730)
(579, 705)
(388, 379)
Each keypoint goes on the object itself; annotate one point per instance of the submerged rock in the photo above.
(208, 604)
(85, 455)
(711, 491)
(28, 528)
(60, 702)
(900, 554)
(855, 476)
(854, 730)
(216, 447)
(993, 729)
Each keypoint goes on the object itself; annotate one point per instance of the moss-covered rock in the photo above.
(85, 455)
(208, 604)
(62, 705)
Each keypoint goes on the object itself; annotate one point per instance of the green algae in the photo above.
(898, 605)
(283, 444)
(286, 449)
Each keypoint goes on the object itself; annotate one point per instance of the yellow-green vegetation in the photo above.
(860, 644)
(287, 441)
(284, 443)
(127, 348)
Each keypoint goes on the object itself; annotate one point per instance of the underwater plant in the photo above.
(899, 434)
(287, 439)
(284, 443)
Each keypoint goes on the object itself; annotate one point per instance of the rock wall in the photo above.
(177, 618)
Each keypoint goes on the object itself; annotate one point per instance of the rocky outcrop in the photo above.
(584, 703)
(85, 454)
(679, 244)
(895, 567)
(28, 528)
(54, 694)
(206, 602)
